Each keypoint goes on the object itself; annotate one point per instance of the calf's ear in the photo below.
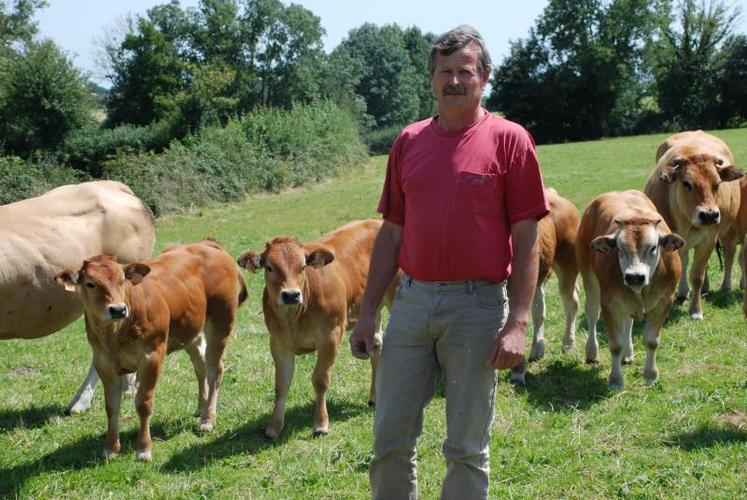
(669, 171)
(251, 261)
(730, 173)
(671, 242)
(604, 244)
(68, 280)
(136, 272)
(319, 257)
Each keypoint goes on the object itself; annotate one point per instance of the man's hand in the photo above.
(362, 339)
(508, 347)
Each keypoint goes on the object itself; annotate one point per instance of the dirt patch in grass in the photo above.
(734, 418)
(25, 371)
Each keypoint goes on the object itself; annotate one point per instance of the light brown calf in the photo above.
(734, 236)
(135, 314)
(312, 295)
(626, 255)
(692, 188)
(557, 252)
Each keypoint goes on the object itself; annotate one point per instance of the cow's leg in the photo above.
(129, 384)
(284, 365)
(627, 342)
(743, 264)
(729, 243)
(654, 321)
(217, 333)
(148, 375)
(113, 397)
(616, 324)
(82, 400)
(538, 320)
(196, 353)
(593, 301)
(569, 296)
(683, 288)
(697, 273)
(375, 357)
(325, 358)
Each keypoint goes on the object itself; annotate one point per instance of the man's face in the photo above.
(457, 80)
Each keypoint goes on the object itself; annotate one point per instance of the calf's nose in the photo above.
(118, 311)
(709, 216)
(634, 279)
(291, 296)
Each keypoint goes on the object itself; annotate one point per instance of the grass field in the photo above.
(563, 435)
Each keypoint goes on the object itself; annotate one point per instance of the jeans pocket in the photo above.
(489, 297)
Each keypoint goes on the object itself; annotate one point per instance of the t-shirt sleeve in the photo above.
(525, 193)
(392, 203)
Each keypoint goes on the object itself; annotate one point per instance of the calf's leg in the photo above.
(113, 398)
(325, 358)
(196, 353)
(148, 375)
(285, 362)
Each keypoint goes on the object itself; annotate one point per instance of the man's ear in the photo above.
(251, 261)
(319, 257)
(136, 272)
(671, 242)
(68, 280)
(604, 244)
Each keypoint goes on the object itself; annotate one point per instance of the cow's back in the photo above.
(45, 235)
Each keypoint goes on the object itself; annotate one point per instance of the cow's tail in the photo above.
(244, 292)
(719, 250)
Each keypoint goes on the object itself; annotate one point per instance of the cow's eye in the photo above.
(653, 251)
(687, 185)
(716, 185)
(90, 285)
(303, 268)
(268, 268)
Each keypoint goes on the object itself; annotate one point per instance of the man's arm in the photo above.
(381, 271)
(508, 349)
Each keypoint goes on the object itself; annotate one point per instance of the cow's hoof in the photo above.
(144, 456)
(568, 347)
(206, 427)
(592, 361)
(680, 299)
(110, 455)
(372, 403)
(697, 316)
(320, 432)
(538, 351)
(271, 435)
(628, 360)
(518, 379)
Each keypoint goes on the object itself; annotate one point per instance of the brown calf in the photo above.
(692, 189)
(135, 314)
(556, 243)
(625, 253)
(312, 295)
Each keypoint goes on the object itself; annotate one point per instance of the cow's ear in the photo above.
(671, 170)
(68, 280)
(604, 244)
(319, 257)
(136, 272)
(251, 261)
(671, 242)
(730, 173)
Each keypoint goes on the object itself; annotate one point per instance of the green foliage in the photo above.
(733, 82)
(266, 150)
(16, 22)
(42, 99)
(20, 179)
(380, 140)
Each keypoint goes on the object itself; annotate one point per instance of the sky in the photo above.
(78, 25)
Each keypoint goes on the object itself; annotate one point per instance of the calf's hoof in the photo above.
(568, 346)
(680, 299)
(79, 407)
(144, 456)
(592, 361)
(320, 432)
(206, 427)
(698, 316)
(628, 360)
(271, 435)
(372, 403)
(109, 454)
(538, 351)
(518, 379)
(615, 385)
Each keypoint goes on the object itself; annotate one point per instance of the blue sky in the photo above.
(76, 25)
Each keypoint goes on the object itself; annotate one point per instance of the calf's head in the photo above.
(284, 261)
(102, 284)
(697, 178)
(638, 244)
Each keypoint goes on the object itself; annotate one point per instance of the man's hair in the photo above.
(457, 39)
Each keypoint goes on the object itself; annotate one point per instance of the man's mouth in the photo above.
(453, 91)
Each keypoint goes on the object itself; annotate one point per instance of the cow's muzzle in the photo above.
(118, 311)
(290, 297)
(634, 279)
(708, 217)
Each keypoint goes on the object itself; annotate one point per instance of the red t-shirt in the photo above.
(457, 194)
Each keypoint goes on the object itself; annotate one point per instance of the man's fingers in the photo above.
(359, 348)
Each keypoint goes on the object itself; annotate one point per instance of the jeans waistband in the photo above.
(469, 285)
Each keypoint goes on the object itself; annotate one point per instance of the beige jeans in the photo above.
(437, 329)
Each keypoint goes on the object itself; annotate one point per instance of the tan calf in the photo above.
(312, 295)
(626, 255)
(692, 188)
(556, 242)
(136, 314)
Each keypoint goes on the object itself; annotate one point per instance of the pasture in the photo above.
(563, 435)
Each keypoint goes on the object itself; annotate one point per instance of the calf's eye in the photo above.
(90, 285)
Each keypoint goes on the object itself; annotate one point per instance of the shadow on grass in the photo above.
(707, 436)
(28, 418)
(723, 299)
(566, 385)
(249, 438)
(82, 454)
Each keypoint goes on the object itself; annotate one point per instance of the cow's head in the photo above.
(284, 261)
(638, 244)
(102, 284)
(697, 178)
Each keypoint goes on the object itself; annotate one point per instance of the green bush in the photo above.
(380, 140)
(20, 179)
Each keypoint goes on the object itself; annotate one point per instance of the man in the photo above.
(461, 201)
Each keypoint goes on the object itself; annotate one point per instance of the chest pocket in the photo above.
(476, 193)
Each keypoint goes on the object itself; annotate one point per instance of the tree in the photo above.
(733, 82)
(44, 99)
(689, 61)
(16, 24)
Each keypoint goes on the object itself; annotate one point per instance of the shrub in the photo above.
(21, 179)
(380, 140)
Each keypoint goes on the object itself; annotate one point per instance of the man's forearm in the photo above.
(524, 269)
(383, 266)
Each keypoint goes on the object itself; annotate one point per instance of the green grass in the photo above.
(564, 435)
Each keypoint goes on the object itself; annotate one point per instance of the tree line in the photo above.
(587, 69)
